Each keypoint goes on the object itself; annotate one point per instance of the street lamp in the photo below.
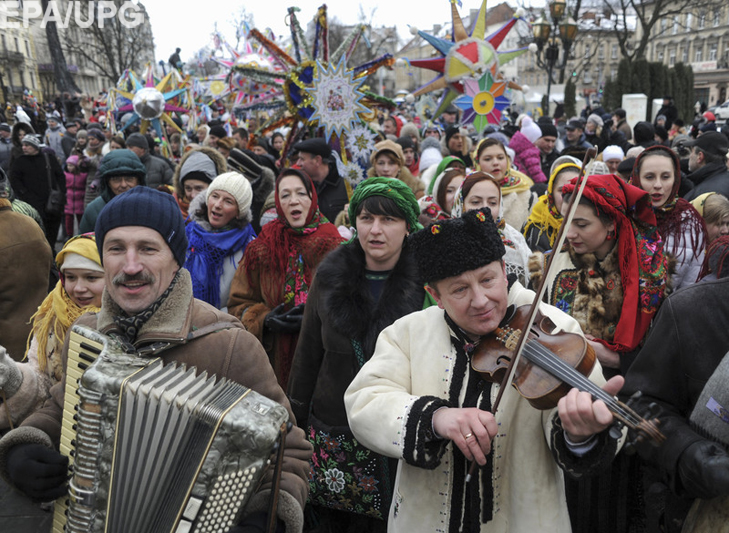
(548, 33)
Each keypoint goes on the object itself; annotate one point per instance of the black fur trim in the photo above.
(597, 460)
(353, 312)
(417, 451)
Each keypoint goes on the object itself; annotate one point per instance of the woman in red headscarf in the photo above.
(272, 281)
(611, 276)
(657, 170)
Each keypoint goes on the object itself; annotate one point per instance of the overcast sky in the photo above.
(189, 25)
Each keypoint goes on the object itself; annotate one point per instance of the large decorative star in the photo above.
(465, 56)
(483, 100)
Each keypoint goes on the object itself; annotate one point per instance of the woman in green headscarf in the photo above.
(543, 224)
(358, 290)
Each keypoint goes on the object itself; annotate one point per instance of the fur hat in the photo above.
(218, 131)
(431, 154)
(643, 132)
(612, 152)
(144, 206)
(448, 248)
(548, 130)
(236, 185)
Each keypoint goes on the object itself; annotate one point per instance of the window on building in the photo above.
(689, 21)
(684, 55)
(699, 54)
(671, 58)
(587, 51)
(717, 16)
(660, 56)
(702, 20)
(614, 52)
(713, 49)
(3, 41)
(676, 24)
(601, 52)
(17, 45)
(27, 49)
(32, 79)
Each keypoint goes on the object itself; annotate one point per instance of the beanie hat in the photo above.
(448, 248)
(198, 166)
(391, 188)
(388, 146)
(72, 160)
(450, 132)
(530, 130)
(137, 140)
(431, 154)
(144, 206)
(5, 127)
(218, 131)
(122, 162)
(242, 161)
(643, 132)
(548, 130)
(236, 185)
(32, 140)
(405, 143)
(596, 119)
(612, 152)
(97, 134)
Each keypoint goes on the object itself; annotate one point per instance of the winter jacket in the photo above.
(686, 343)
(231, 353)
(332, 194)
(339, 309)
(390, 404)
(6, 145)
(713, 177)
(25, 264)
(29, 178)
(158, 171)
(527, 157)
(688, 260)
(75, 192)
(67, 143)
(54, 140)
(17, 150)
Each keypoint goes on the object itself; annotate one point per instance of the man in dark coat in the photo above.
(158, 171)
(686, 346)
(668, 110)
(546, 144)
(707, 165)
(315, 158)
(29, 177)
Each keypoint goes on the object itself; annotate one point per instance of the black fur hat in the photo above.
(448, 248)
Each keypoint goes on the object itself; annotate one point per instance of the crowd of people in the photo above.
(362, 308)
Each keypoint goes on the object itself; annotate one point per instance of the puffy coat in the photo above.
(75, 192)
(527, 157)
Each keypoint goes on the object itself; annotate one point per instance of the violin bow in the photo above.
(559, 242)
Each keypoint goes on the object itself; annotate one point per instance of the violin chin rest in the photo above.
(547, 326)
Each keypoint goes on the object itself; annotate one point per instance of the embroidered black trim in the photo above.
(597, 460)
(418, 451)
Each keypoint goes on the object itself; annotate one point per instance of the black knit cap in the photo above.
(448, 248)
(143, 206)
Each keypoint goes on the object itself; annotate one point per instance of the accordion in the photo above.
(156, 447)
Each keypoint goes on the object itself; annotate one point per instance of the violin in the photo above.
(552, 363)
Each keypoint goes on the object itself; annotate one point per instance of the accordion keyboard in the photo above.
(82, 352)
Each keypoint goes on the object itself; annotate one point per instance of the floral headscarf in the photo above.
(643, 270)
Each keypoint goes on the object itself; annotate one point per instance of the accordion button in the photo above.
(192, 508)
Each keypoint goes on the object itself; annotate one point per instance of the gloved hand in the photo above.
(40, 472)
(280, 321)
(703, 469)
(10, 376)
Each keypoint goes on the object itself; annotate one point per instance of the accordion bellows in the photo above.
(159, 448)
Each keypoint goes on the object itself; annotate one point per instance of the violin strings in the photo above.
(547, 360)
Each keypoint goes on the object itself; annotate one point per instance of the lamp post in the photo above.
(548, 33)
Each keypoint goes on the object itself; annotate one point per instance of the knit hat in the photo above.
(548, 130)
(530, 130)
(5, 127)
(144, 206)
(643, 132)
(32, 140)
(450, 132)
(612, 152)
(448, 248)
(52, 118)
(99, 135)
(596, 120)
(391, 188)
(242, 161)
(137, 140)
(236, 185)
(431, 154)
(72, 160)
(218, 131)
(198, 166)
(388, 146)
(405, 143)
(121, 162)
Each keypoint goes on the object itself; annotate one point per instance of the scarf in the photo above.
(700, 201)
(643, 270)
(58, 311)
(545, 215)
(206, 252)
(130, 325)
(677, 218)
(183, 204)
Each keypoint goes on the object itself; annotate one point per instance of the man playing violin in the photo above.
(419, 400)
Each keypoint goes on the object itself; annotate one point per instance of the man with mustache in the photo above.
(149, 300)
(417, 399)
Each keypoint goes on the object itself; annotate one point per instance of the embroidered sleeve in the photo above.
(422, 447)
(594, 461)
